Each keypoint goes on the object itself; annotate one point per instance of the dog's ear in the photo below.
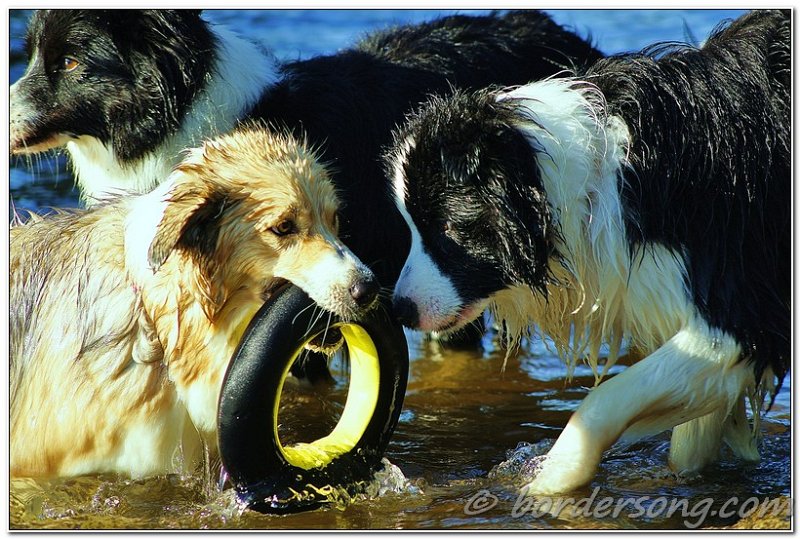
(191, 222)
(518, 202)
(191, 218)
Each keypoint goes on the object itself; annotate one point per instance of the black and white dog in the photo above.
(126, 91)
(646, 200)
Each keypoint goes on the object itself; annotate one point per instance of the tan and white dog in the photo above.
(124, 317)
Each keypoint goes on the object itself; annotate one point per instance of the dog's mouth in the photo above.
(21, 143)
(28, 133)
(30, 129)
(463, 317)
(328, 342)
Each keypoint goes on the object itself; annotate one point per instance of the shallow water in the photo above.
(455, 464)
(456, 458)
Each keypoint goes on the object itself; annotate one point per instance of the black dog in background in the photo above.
(126, 91)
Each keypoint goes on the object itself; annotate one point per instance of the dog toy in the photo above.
(270, 477)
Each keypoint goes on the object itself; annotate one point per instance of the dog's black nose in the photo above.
(406, 312)
(364, 291)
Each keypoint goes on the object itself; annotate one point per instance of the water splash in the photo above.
(390, 479)
(522, 463)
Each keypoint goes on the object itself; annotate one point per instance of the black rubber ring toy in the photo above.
(271, 478)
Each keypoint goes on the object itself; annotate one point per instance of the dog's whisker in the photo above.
(309, 306)
(319, 313)
(303, 358)
(385, 292)
(327, 327)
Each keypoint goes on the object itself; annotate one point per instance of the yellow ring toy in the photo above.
(273, 478)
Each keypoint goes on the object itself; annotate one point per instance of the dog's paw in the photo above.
(556, 474)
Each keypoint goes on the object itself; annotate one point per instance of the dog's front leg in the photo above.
(694, 373)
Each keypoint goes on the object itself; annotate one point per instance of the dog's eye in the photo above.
(69, 64)
(283, 228)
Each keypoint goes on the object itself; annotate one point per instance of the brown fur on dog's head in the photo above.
(240, 216)
(253, 208)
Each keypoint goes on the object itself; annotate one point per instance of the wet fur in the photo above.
(152, 82)
(645, 200)
(124, 317)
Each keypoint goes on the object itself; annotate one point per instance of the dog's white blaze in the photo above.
(423, 282)
(329, 279)
(241, 73)
(34, 57)
(32, 60)
(398, 178)
(21, 116)
(330, 271)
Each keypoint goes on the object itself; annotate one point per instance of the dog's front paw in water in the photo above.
(547, 468)
(557, 473)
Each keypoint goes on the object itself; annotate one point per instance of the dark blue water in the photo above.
(45, 181)
(463, 413)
